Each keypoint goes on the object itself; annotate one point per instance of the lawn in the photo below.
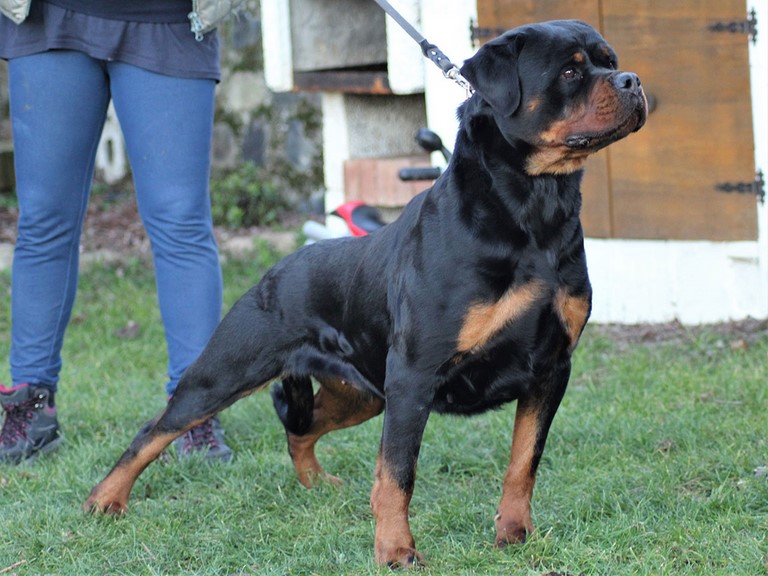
(649, 469)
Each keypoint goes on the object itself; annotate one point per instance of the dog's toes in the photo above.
(311, 478)
(331, 479)
(400, 556)
(517, 535)
(407, 558)
(109, 508)
(101, 504)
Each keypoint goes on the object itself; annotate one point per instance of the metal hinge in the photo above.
(756, 187)
(748, 26)
(478, 34)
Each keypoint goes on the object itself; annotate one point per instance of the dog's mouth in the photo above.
(561, 151)
(633, 121)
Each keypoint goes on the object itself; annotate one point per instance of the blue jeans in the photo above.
(58, 105)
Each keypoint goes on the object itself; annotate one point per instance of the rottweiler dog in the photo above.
(475, 296)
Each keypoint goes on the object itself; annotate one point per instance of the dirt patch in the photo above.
(109, 225)
(112, 224)
(736, 335)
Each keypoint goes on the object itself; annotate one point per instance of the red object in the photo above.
(361, 218)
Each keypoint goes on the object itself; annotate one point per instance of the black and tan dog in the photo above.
(474, 297)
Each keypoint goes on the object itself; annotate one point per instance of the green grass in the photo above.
(648, 469)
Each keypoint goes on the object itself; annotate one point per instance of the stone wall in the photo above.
(280, 133)
(6, 155)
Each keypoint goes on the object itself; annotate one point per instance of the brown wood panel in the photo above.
(347, 81)
(660, 183)
(663, 178)
(512, 13)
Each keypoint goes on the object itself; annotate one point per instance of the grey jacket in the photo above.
(16, 10)
(204, 17)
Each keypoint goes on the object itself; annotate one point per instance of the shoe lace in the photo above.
(201, 436)
(17, 419)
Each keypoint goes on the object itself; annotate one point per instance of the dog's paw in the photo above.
(98, 503)
(511, 532)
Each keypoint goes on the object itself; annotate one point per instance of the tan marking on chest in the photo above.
(482, 321)
(573, 312)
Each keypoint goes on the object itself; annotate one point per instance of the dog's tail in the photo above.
(294, 402)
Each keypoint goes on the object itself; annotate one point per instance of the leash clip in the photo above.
(455, 75)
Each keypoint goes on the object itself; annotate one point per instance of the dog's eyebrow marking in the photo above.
(482, 321)
(579, 57)
(573, 312)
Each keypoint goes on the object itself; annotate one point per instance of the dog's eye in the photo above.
(571, 74)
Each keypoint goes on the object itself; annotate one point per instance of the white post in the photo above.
(276, 44)
(405, 62)
(446, 24)
(335, 147)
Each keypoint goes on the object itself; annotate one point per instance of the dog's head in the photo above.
(556, 94)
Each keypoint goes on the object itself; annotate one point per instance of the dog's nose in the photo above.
(626, 81)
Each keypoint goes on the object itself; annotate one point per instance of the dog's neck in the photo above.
(543, 206)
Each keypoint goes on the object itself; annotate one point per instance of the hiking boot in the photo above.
(206, 439)
(30, 425)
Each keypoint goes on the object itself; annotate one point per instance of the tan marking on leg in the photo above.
(337, 405)
(573, 312)
(395, 546)
(482, 321)
(513, 518)
(111, 494)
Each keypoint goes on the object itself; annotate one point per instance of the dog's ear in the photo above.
(493, 73)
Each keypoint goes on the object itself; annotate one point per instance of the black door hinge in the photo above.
(756, 187)
(748, 26)
(479, 35)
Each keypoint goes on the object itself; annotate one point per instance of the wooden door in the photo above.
(662, 183)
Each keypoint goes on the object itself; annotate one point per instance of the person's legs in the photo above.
(167, 123)
(58, 105)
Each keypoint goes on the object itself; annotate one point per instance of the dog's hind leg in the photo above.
(336, 405)
(111, 494)
(237, 361)
(185, 410)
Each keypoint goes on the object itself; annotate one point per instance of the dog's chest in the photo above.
(505, 347)
(485, 321)
(510, 291)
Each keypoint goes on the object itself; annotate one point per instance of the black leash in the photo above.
(450, 70)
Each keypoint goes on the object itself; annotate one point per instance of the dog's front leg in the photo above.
(408, 402)
(532, 421)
